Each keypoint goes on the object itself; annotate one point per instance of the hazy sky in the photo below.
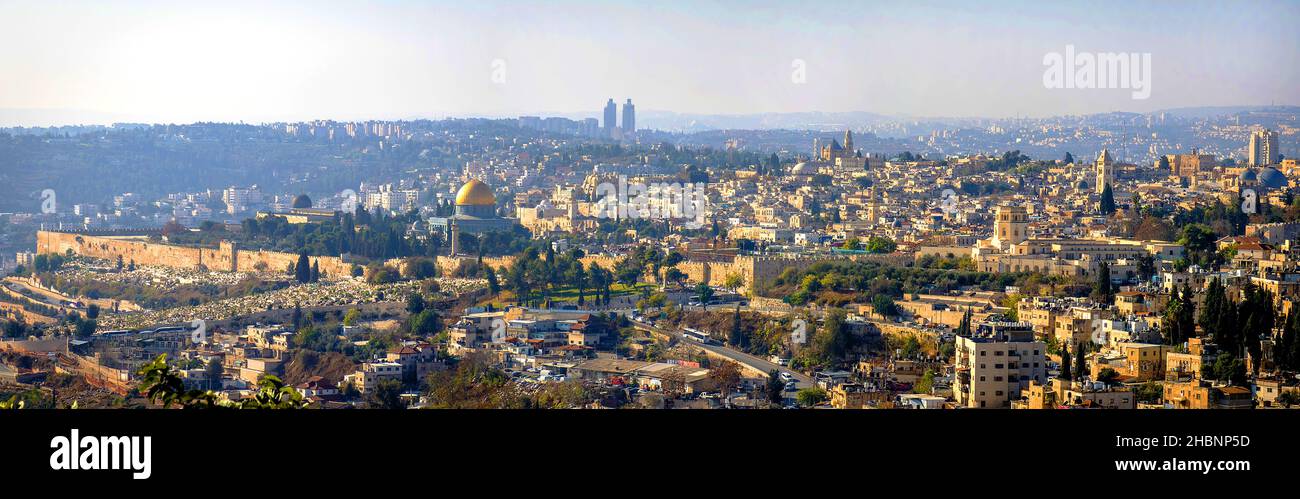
(268, 61)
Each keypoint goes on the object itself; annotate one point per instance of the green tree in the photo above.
(736, 337)
(426, 323)
(834, 339)
(926, 383)
(1107, 200)
(1286, 350)
(734, 282)
(1146, 267)
(1065, 363)
(351, 317)
(387, 394)
(884, 306)
(420, 267)
(15, 328)
(1150, 392)
(491, 274)
(1212, 306)
(775, 387)
(414, 303)
(1012, 303)
(579, 278)
(881, 245)
(1198, 240)
(1101, 290)
(83, 328)
(1259, 319)
(704, 293)
(1289, 398)
(1187, 313)
(674, 275)
(1179, 321)
(302, 271)
(214, 373)
(809, 397)
(1108, 376)
(1230, 369)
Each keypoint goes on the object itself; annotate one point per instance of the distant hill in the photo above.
(1212, 111)
(826, 121)
(687, 122)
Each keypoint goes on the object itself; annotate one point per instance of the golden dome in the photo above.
(475, 193)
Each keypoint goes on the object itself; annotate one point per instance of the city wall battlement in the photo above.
(228, 257)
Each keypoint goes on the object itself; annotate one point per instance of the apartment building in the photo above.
(372, 373)
(1133, 361)
(996, 363)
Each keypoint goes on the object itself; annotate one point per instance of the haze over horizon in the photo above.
(141, 61)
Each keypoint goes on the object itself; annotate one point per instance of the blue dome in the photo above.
(1271, 178)
(1248, 175)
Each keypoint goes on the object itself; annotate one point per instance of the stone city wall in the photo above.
(227, 257)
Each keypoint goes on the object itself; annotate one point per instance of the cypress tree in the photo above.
(737, 337)
(1101, 290)
(302, 271)
(491, 275)
(1065, 362)
(1212, 308)
(1107, 200)
(1227, 327)
(1187, 314)
(1080, 365)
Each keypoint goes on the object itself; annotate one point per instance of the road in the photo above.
(762, 365)
(37, 295)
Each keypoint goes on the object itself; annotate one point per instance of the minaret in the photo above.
(455, 238)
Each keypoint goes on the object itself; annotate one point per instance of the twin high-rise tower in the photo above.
(610, 125)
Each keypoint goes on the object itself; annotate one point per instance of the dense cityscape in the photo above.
(1113, 261)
